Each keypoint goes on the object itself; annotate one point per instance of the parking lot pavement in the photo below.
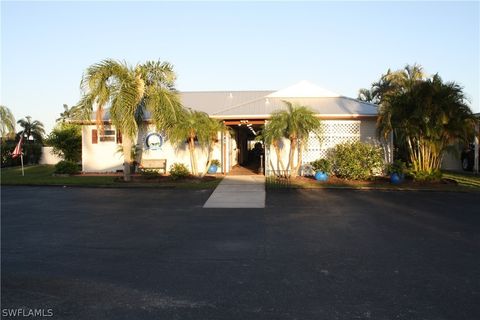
(310, 254)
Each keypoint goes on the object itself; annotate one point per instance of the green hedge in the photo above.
(356, 160)
(31, 153)
(67, 167)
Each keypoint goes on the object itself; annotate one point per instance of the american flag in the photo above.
(18, 149)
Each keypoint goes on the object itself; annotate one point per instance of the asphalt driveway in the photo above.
(310, 254)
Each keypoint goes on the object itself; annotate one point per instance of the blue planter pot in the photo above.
(395, 178)
(321, 176)
(212, 169)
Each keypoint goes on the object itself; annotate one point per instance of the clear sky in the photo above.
(342, 46)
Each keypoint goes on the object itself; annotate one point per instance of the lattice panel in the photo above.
(333, 133)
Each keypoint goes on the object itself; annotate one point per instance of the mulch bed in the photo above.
(377, 182)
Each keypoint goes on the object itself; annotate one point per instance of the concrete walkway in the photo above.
(238, 192)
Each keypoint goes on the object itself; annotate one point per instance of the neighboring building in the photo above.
(245, 112)
(48, 157)
(462, 157)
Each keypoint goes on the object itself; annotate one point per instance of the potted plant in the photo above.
(322, 168)
(135, 151)
(396, 170)
(214, 165)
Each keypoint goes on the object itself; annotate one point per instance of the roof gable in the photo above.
(303, 89)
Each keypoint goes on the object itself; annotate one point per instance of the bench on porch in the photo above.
(154, 164)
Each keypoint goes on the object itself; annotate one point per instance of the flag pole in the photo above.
(21, 159)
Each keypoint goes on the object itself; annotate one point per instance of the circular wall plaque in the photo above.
(153, 141)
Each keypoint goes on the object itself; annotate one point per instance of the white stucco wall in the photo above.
(103, 156)
(48, 157)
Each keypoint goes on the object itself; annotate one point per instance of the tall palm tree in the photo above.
(193, 127)
(68, 113)
(428, 116)
(31, 129)
(296, 123)
(213, 127)
(365, 95)
(131, 93)
(392, 83)
(272, 135)
(7, 125)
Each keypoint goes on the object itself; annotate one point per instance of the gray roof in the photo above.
(212, 102)
(260, 104)
(328, 106)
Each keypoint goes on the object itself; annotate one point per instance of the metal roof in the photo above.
(213, 101)
(260, 104)
(328, 106)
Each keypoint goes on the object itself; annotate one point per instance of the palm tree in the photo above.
(392, 83)
(213, 127)
(31, 129)
(130, 93)
(296, 123)
(193, 127)
(272, 135)
(68, 113)
(7, 125)
(427, 117)
(365, 95)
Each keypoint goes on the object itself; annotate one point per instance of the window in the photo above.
(108, 135)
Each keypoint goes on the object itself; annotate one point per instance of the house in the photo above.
(245, 112)
(461, 157)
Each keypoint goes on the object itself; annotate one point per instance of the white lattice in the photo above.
(333, 133)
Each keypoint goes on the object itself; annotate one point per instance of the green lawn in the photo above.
(43, 175)
(464, 179)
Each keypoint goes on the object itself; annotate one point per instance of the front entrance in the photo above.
(246, 150)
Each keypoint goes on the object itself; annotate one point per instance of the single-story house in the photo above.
(463, 157)
(245, 112)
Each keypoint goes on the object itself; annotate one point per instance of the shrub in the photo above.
(66, 141)
(7, 148)
(179, 171)
(323, 165)
(67, 167)
(398, 167)
(215, 163)
(32, 152)
(356, 160)
(426, 176)
(150, 173)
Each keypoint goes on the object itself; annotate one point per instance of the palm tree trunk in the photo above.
(299, 157)
(280, 164)
(193, 158)
(291, 165)
(127, 158)
(209, 159)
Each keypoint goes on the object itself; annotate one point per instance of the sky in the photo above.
(341, 46)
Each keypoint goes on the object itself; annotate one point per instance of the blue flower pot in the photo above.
(321, 176)
(395, 178)
(212, 169)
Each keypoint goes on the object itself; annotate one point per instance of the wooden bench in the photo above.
(154, 164)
